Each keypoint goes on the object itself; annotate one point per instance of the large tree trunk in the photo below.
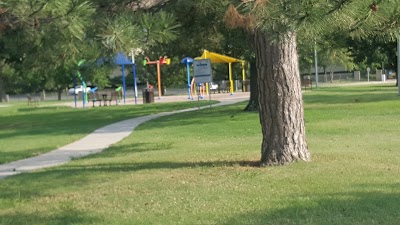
(253, 102)
(280, 99)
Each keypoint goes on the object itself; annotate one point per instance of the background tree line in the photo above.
(42, 41)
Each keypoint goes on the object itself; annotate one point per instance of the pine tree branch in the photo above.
(38, 10)
(340, 5)
(391, 23)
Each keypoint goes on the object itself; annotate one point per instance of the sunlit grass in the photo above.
(27, 131)
(197, 168)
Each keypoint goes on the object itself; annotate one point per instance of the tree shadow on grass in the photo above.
(80, 175)
(67, 215)
(9, 156)
(138, 166)
(352, 208)
(42, 108)
(131, 149)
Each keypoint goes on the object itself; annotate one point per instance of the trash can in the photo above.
(148, 95)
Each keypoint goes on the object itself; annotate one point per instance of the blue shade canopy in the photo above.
(121, 59)
(187, 60)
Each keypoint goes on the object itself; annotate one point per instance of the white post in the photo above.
(133, 55)
(368, 69)
(316, 65)
(134, 74)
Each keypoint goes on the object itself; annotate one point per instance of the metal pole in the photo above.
(123, 82)
(134, 75)
(209, 98)
(198, 94)
(188, 78)
(83, 93)
(74, 90)
(134, 82)
(243, 78)
(316, 64)
(230, 79)
(159, 79)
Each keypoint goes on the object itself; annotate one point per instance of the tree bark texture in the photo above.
(253, 101)
(280, 100)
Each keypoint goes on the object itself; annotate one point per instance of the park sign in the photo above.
(202, 71)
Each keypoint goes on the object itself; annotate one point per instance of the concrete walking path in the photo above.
(95, 142)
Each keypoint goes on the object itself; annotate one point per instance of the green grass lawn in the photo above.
(28, 131)
(197, 168)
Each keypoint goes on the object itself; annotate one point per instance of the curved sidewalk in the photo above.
(93, 143)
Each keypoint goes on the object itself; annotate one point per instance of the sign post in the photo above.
(202, 73)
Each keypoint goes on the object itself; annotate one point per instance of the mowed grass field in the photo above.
(198, 168)
(27, 131)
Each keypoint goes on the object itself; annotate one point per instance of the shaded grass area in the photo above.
(198, 168)
(29, 131)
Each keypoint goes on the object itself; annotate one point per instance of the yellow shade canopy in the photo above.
(218, 58)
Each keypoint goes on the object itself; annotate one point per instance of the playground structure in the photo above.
(122, 60)
(119, 59)
(193, 91)
(84, 92)
(203, 89)
(159, 62)
(218, 58)
(93, 90)
(215, 58)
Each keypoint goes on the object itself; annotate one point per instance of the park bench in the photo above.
(224, 87)
(113, 96)
(306, 83)
(94, 97)
(213, 87)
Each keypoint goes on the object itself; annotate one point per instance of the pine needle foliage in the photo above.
(358, 18)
